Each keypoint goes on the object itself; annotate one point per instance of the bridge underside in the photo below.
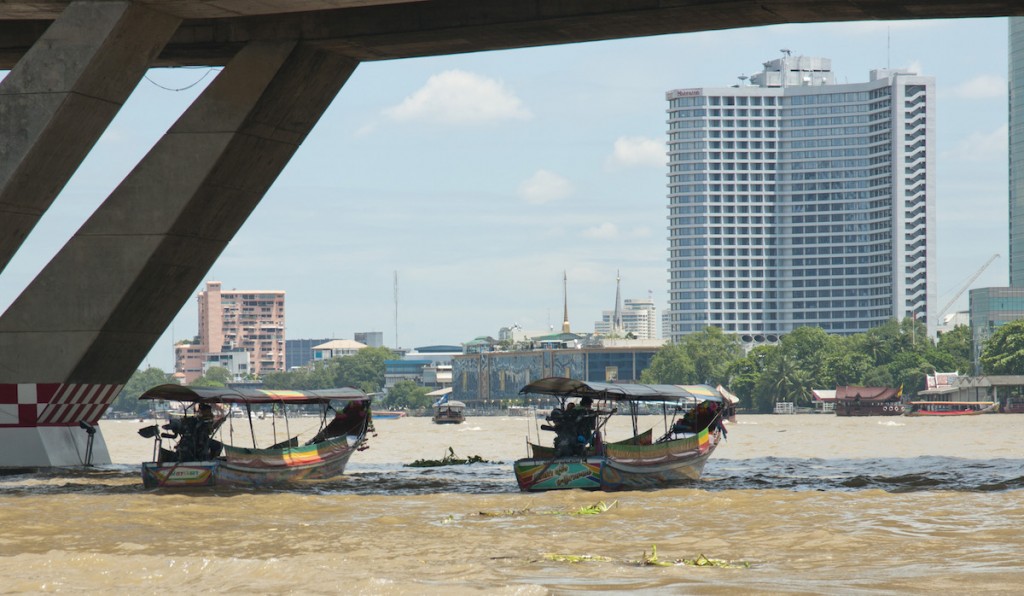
(75, 335)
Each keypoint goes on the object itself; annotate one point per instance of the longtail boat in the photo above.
(197, 458)
(950, 408)
(581, 457)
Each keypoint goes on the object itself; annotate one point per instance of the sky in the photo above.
(479, 178)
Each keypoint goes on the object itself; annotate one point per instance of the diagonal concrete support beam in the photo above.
(101, 304)
(77, 333)
(61, 96)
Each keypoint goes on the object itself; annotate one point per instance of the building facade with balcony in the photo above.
(796, 201)
(229, 320)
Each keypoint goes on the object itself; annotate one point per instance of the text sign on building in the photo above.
(676, 93)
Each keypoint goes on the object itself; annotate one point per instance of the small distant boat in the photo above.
(950, 408)
(198, 459)
(389, 414)
(581, 458)
(449, 412)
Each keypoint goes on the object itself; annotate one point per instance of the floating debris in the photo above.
(652, 561)
(700, 561)
(595, 509)
(448, 460)
(505, 513)
(560, 558)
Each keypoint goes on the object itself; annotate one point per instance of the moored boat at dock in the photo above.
(950, 408)
(868, 401)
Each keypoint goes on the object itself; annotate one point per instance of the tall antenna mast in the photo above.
(396, 309)
(888, 45)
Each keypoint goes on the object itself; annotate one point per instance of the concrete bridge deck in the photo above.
(210, 32)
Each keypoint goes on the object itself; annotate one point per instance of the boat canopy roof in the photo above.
(223, 395)
(451, 403)
(563, 387)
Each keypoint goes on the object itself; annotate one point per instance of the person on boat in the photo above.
(205, 412)
(584, 419)
(716, 421)
(682, 426)
(193, 434)
(350, 421)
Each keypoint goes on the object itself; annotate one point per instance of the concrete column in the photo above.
(100, 305)
(59, 99)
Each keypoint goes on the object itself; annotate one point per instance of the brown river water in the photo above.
(800, 504)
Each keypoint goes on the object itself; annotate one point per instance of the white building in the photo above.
(796, 201)
(336, 348)
(638, 316)
(236, 361)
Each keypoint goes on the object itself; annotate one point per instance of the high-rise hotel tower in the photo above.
(796, 201)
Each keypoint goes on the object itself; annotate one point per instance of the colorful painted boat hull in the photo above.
(255, 467)
(184, 475)
(545, 474)
(622, 467)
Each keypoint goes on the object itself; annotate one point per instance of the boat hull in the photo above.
(255, 467)
(449, 419)
(622, 467)
(961, 412)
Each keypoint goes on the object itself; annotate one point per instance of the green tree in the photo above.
(953, 351)
(322, 374)
(1003, 353)
(671, 365)
(846, 367)
(811, 351)
(745, 374)
(215, 376)
(364, 369)
(139, 383)
(786, 380)
(407, 394)
(712, 352)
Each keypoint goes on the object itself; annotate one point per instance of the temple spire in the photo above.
(565, 300)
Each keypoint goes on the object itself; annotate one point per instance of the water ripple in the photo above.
(895, 475)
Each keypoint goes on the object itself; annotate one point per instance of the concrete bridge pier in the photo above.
(77, 333)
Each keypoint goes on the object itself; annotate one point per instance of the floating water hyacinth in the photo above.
(448, 460)
(700, 561)
(596, 508)
(560, 558)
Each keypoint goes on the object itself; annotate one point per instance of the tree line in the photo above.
(896, 354)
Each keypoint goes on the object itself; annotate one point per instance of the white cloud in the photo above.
(983, 146)
(365, 130)
(638, 151)
(982, 87)
(460, 97)
(544, 187)
(605, 231)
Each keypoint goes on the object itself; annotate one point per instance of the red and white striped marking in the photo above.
(54, 404)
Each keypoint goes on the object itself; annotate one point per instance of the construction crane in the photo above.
(966, 285)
